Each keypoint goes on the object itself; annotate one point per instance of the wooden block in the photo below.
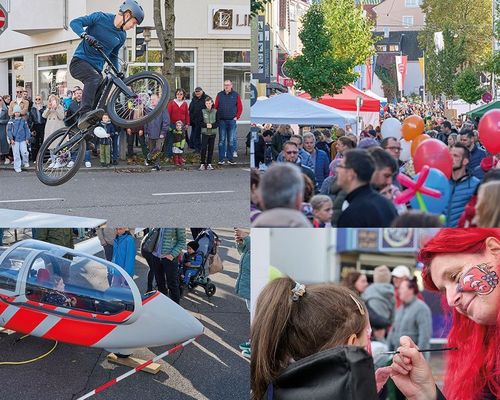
(6, 331)
(133, 362)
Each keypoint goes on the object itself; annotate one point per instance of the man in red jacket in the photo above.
(229, 108)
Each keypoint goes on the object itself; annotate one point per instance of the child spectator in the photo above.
(322, 209)
(105, 142)
(123, 254)
(208, 132)
(19, 136)
(191, 262)
(156, 131)
(179, 142)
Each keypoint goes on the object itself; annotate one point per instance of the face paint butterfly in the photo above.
(478, 279)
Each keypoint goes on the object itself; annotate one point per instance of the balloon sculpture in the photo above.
(489, 131)
(417, 190)
(412, 127)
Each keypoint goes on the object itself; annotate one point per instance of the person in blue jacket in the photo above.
(123, 254)
(108, 31)
(319, 157)
(19, 136)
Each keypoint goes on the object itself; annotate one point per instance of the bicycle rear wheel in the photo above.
(55, 168)
(129, 112)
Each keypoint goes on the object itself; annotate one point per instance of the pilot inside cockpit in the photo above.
(57, 295)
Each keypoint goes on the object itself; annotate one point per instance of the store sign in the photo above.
(229, 20)
(263, 70)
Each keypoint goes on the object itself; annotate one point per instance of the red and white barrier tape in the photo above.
(136, 369)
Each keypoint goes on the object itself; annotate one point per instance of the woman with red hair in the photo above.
(463, 264)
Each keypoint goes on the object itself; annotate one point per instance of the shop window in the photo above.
(184, 73)
(237, 70)
(52, 72)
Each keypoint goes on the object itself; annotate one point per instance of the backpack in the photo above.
(149, 242)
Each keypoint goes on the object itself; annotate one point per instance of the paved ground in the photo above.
(137, 197)
(210, 369)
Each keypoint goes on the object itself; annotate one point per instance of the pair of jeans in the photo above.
(195, 139)
(227, 132)
(90, 77)
(20, 150)
(115, 152)
(130, 143)
(167, 276)
(207, 143)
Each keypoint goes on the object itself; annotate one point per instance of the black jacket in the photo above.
(367, 208)
(72, 113)
(195, 107)
(344, 372)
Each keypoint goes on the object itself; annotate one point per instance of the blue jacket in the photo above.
(158, 126)
(124, 252)
(476, 155)
(101, 26)
(460, 194)
(17, 129)
(321, 167)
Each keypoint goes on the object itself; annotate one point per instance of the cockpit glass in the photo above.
(10, 267)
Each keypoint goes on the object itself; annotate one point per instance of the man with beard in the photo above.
(462, 184)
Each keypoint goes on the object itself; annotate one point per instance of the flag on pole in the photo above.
(421, 61)
(401, 71)
(369, 74)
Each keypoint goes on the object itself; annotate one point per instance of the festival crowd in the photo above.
(330, 177)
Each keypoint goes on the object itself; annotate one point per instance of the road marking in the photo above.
(181, 193)
(29, 200)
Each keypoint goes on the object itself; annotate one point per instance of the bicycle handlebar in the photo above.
(98, 47)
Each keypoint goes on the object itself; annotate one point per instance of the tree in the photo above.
(349, 29)
(468, 86)
(316, 71)
(257, 6)
(387, 74)
(166, 35)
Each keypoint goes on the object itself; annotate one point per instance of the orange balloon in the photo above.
(415, 142)
(412, 127)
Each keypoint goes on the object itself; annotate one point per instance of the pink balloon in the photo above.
(435, 154)
(489, 131)
(414, 187)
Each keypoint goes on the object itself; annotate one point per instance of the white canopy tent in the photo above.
(375, 96)
(288, 109)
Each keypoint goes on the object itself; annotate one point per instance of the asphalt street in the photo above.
(211, 368)
(137, 197)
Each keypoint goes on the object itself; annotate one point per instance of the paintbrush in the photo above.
(423, 350)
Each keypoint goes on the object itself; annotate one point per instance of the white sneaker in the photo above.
(221, 162)
(71, 163)
(209, 167)
(17, 170)
(27, 165)
(87, 164)
(202, 167)
(235, 155)
(7, 161)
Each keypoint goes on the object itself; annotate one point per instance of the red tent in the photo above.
(347, 100)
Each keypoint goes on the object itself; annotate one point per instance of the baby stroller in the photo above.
(208, 242)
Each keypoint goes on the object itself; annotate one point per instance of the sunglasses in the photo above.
(38, 99)
(19, 91)
(292, 152)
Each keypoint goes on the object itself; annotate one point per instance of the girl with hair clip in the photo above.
(463, 264)
(313, 342)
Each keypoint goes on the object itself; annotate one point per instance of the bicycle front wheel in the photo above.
(55, 167)
(128, 112)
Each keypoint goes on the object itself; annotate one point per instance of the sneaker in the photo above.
(17, 170)
(202, 167)
(209, 167)
(90, 118)
(221, 162)
(156, 168)
(103, 164)
(235, 154)
(115, 162)
(7, 161)
(27, 165)
(87, 164)
(146, 163)
(71, 163)
(231, 162)
(247, 353)
(245, 346)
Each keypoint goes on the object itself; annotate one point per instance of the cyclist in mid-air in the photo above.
(107, 30)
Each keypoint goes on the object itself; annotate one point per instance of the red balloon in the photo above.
(489, 131)
(435, 154)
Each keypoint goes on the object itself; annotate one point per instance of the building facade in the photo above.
(212, 43)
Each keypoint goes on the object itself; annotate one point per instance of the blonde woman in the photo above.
(487, 210)
(54, 113)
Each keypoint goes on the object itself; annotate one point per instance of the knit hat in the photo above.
(381, 274)
(194, 245)
(16, 108)
(366, 143)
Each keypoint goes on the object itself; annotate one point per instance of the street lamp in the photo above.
(147, 39)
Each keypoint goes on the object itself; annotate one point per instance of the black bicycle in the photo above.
(128, 104)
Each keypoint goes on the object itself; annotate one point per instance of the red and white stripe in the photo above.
(136, 369)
